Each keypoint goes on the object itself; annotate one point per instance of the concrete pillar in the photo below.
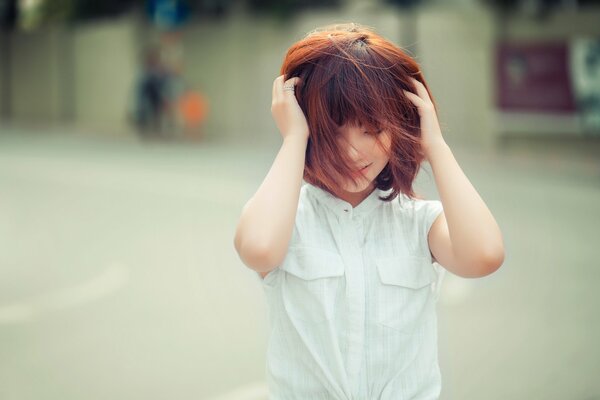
(36, 65)
(456, 51)
(105, 68)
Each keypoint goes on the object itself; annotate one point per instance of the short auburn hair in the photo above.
(351, 75)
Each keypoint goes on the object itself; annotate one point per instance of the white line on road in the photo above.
(109, 281)
(253, 391)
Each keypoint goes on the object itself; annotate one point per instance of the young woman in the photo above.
(352, 260)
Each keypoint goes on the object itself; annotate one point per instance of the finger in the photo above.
(421, 90)
(276, 87)
(416, 100)
(294, 82)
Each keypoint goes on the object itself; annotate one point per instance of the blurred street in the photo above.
(119, 279)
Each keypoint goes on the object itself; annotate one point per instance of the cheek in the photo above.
(383, 147)
(382, 155)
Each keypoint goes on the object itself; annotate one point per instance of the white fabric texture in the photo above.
(352, 308)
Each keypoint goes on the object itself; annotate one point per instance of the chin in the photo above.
(361, 187)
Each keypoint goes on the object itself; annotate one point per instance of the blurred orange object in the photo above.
(193, 108)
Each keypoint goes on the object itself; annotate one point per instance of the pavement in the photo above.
(119, 280)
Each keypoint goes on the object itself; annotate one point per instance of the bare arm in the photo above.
(465, 238)
(265, 226)
(267, 221)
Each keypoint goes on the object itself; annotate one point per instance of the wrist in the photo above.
(299, 137)
(429, 149)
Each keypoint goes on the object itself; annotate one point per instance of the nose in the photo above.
(353, 153)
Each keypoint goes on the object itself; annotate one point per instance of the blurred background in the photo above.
(132, 132)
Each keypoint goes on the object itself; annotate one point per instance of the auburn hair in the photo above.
(351, 75)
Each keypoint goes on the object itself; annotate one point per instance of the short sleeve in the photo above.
(427, 212)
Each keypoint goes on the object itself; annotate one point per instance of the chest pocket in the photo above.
(310, 284)
(405, 294)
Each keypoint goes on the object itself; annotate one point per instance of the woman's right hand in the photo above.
(286, 111)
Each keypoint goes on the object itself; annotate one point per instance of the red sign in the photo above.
(534, 77)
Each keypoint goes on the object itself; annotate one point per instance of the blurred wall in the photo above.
(82, 75)
(4, 79)
(36, 82)
(86, 75)
(563, 25)
(234, 63)
(456, 50)
(104, 70)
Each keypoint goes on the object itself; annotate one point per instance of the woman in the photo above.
(352, 261)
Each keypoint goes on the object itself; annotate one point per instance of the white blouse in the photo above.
(352, 308)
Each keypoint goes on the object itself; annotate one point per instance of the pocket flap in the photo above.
(409, 271)
(312, 263)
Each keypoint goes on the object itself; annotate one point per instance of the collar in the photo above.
(344, 209)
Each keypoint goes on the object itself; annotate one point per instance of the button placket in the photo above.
(347, 211)
(357, 222)
(356, 300)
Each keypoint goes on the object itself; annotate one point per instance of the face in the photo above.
(364, 150)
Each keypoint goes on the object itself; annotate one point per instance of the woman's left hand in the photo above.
(431, 134)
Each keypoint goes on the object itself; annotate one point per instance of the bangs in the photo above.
(354, 87)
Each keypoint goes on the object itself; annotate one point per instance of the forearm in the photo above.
(267, 220)
(473, 231)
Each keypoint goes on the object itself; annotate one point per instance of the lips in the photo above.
(362, 170)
